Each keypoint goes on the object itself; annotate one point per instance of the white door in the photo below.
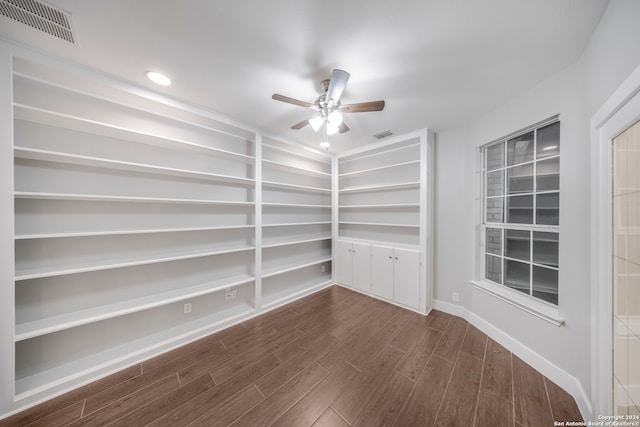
(343, 261)
(361, 266)
(382, 271)
(406, 277)
(626, 271)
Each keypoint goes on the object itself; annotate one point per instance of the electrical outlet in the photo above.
(455, 296)
(187, 307)
(230, 295)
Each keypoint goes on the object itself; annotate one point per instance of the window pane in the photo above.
(548, 209)
(493, 243)
(520, 149)
(494, 156)
(545, 284)
(495, 209)
(520, 179)
(548, 175)
(495, 183)
(545, 248)
(516, 275)
(520, 209)
(493, 268)
(517, 244)
(521, 191)
(549, 140)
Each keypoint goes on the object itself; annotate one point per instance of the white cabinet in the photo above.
(395, 275)
(353, 265)
(343, 261)
(382, 271)
(406, 277)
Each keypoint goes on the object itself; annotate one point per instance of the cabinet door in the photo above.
(406, 277)
(362, 267)
(382, 271)
(343, 262)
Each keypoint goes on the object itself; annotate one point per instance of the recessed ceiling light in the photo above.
(158, 78)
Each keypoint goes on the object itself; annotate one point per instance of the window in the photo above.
(521, 195)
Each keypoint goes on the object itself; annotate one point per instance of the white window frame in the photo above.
(529, 303)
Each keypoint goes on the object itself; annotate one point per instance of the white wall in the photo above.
(612, 54)
(558, 95)
(450, 275)
(562, 353)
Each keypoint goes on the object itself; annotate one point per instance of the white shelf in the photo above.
(49, 325)
(290, 166)
(292, 267)
(67, 121)
(382, 206)
(293, 224)
(125, 232)
(306, 154)
(294, 242)
(377, 153)
(385, 199)
(379, 224)
(397, 186)
(294, 186)
(379, 168)
(101, 181)
(102, 360)
(48, 272)
(296, 205)
(102, 198)
(52, 156)
(275, 298)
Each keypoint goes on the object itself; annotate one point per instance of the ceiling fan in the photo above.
(328, 108)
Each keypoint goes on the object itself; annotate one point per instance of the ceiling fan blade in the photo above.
(300, 125)
(337, 84)
(293, 101)
(343, 127)
(363, 107)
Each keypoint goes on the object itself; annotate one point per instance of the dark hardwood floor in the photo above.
(334, 358)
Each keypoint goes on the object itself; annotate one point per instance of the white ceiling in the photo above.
(437, 63)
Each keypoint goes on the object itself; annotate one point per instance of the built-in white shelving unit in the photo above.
(140, 224)
(297, 218)
(385, 207)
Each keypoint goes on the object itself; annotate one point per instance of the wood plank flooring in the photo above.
(334, 358)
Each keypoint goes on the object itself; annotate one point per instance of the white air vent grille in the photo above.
(383, 134)
(40, 16)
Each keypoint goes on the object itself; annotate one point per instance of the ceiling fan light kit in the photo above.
(328, 117)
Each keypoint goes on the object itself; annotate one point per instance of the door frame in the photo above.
(619, 112)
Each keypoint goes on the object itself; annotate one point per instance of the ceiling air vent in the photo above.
(383, 134)
(40, 16)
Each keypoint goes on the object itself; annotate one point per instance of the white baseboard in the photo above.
(556, 374)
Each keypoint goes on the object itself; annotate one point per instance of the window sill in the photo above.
(522, 302)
